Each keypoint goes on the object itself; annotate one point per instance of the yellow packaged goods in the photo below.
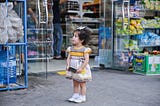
(96, 1)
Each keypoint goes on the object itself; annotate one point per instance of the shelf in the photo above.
(80, 0)
(73, 0)
(31, 31)
(38, 29)
(40, 42)
(119, 36)
(2, 1)
(121, 50)
(86, 20)
(83, 12)
(91, 4)
(148, 45)
(42, 58)
(152, 28)
(72, 11)
(151, 10)
(83, 15)
(13, 44)
(40, 37)
(135, 18)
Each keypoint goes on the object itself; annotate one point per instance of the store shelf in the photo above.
(72, 11)
(81, 1)
(11, 0)
(135, 18)
(78, 9)
(39, 29)
(13, 44)
(40, 36)
(40, 42)
(43, 58)
(84, 18)
(84, 12)
(91, 4)
(148, 46)
(152, 28)
(132, 36)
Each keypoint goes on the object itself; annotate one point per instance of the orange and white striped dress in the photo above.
(76, 60)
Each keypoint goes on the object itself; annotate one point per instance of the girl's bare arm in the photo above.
(86, 61)
(68, 61)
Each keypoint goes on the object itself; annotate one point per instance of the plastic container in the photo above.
(147, 64)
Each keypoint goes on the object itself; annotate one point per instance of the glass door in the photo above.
(120, 16)
(39, 34)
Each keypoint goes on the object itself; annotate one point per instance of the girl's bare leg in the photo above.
(83, 88)
(76, 86)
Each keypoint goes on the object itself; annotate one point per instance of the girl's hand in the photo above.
(79, 70)
(67, 68)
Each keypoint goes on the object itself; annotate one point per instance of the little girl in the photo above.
(78, 59)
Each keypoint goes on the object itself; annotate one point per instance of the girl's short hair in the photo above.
(84, 34)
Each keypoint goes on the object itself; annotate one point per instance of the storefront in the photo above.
(126, 35)
(75, 13)
(136, 30)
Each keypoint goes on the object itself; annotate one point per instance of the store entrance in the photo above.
(86, 13)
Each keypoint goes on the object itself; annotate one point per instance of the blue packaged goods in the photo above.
(7, 68)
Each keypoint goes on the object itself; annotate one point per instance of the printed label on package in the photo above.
(154, 60)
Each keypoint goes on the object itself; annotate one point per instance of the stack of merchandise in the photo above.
(7, 69)
(152, 4)
(151, 23)
(148, 38)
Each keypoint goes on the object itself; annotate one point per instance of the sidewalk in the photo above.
(53, 65)
(108, 88)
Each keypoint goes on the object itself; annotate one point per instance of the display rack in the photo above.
(131, 33)
(76, 6)
(40, 33)
(120, 11)
(80, 13)
(92, 23)
(13, 46)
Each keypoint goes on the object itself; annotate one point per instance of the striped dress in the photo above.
(76, 60)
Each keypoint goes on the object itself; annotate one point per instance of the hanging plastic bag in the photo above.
(11, 26)
(3, 35)
(3, 26)
(15, 32)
